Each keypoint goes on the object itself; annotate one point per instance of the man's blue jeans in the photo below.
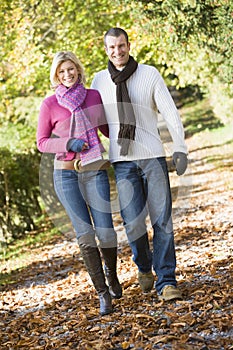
(144, 188)
(86, 199)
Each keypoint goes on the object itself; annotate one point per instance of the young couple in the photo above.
(123, 103)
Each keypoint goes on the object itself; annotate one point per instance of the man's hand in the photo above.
(180, 161)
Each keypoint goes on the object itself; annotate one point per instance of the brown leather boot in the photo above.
(110, 259)
(92, 260)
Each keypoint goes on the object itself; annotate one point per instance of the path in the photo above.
(52, 304)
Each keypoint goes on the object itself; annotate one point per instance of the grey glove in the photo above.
(75, 145)
(180, 161)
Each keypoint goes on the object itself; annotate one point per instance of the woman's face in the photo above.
(67, 73)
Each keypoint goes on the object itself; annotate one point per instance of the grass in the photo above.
(216, 136)
(18, 253)
(32, 239)
(198, 116)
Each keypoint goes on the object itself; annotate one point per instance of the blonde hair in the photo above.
(58, 59)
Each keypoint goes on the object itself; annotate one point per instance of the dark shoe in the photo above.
(169, 293)
(105, 303)
(93, 263)
(115, 288)
(146, 281)
(110, 266)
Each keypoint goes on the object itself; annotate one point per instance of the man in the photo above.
(133, 94)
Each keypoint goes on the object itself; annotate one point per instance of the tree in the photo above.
(33, 30)
(190, 40)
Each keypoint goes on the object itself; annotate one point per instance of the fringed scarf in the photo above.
(80, 127)
(124, 106)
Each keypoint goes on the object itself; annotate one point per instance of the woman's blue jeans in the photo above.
(86, 199)
(144, 188)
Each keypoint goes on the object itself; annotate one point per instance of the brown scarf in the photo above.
(124, 106)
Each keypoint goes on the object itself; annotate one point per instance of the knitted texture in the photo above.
(124, 106)
(80, 126)
(149, 95)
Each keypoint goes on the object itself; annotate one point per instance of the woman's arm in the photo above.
(48, 127)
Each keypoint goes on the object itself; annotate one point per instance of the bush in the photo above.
(19, 194)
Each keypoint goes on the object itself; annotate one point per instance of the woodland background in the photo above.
(46, 298)
(189, 41)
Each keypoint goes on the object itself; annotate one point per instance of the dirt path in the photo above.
(52, 304)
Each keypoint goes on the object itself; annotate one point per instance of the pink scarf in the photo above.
(80, 126)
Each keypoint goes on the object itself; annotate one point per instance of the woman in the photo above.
(67, 126)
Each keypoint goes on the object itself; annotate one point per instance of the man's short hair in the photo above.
(116, 32)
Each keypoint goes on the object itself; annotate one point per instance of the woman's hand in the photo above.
(77, 145)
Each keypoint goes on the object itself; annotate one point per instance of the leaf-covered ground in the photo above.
(51, 303)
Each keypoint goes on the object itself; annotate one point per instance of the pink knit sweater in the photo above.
(54, 120)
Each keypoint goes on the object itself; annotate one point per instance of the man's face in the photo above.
(117, 50)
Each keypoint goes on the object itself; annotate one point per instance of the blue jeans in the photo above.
(144, 188)
(86, 199)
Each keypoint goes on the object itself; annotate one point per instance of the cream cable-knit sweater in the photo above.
(148, 94)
